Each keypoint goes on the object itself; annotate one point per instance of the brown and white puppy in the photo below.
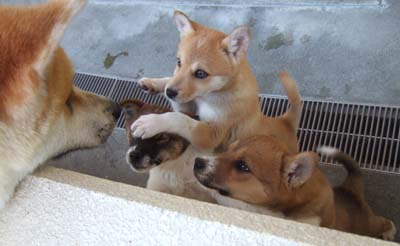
(167, 157)
(213, 74)
(262, 171)
(42, 114)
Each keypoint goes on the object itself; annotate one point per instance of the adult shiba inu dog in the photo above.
(42, 114)
(262, 171)
(212, 73)
(167, 157)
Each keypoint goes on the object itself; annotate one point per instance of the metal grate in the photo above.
(369, 133)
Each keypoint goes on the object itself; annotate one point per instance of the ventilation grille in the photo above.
(369, 133)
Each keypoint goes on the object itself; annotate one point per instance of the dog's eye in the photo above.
(200, 74)
(241, 166)
(178, 62)
(69, 103)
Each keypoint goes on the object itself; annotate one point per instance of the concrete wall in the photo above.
(337, 50)
(343, 53)
(58, 207)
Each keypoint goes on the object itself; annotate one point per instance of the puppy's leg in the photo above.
(203, 135)
(154, 85)
(157, 186)
(156, 183)
(382, 228)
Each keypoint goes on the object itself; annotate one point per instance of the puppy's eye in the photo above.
(200, 74)
(241, 166)
(178, 62)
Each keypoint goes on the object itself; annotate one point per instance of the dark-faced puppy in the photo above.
(261, 170)
(145, 154)
(168, 157)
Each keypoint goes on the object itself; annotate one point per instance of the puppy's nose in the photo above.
(134, 156)
(116, 110)
(171, 93)
(199, 164)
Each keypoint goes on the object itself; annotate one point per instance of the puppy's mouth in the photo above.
(205, 180)
(184, 98)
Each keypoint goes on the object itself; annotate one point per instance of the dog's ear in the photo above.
(183, 23)
(29, 38)
(236, 43)
(298, 168)
(48, 23)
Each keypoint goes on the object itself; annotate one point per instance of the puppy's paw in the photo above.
(390, 234)
(148, 125)
(149, 85)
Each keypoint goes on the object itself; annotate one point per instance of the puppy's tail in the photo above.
(293, 113)
(353, 182)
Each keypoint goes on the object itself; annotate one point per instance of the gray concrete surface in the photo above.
(337, 50)
(107, 161)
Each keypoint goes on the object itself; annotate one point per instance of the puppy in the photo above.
(168, 158)
(213, 77)
(42, 114)
(261, 170)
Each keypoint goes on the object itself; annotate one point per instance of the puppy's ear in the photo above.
(236, 44)
(131, 110)
(183, 23)
(298, 168)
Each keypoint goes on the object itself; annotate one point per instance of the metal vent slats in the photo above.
(369, 133)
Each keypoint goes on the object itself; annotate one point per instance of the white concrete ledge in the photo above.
(58, 207)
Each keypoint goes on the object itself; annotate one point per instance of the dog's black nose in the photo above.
(116, 110)
(134, 156)
(171, 93)
(199, 164)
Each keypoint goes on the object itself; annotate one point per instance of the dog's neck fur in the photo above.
(232, 101)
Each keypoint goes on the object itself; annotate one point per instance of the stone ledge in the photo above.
(58, 206)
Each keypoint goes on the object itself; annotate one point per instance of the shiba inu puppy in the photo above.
(213, 77)
(262, 171)
(168, 158)
(42, 114)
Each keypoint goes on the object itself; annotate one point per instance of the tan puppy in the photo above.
(262, 171)
(212, 72)
(42, 114)
(168, 158)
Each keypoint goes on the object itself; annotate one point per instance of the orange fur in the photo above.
(293, 185)
(227, 99)
(42, 114)
(18, 50)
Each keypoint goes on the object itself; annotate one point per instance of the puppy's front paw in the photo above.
(149, 85)
(147, 126)
(390, 234)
